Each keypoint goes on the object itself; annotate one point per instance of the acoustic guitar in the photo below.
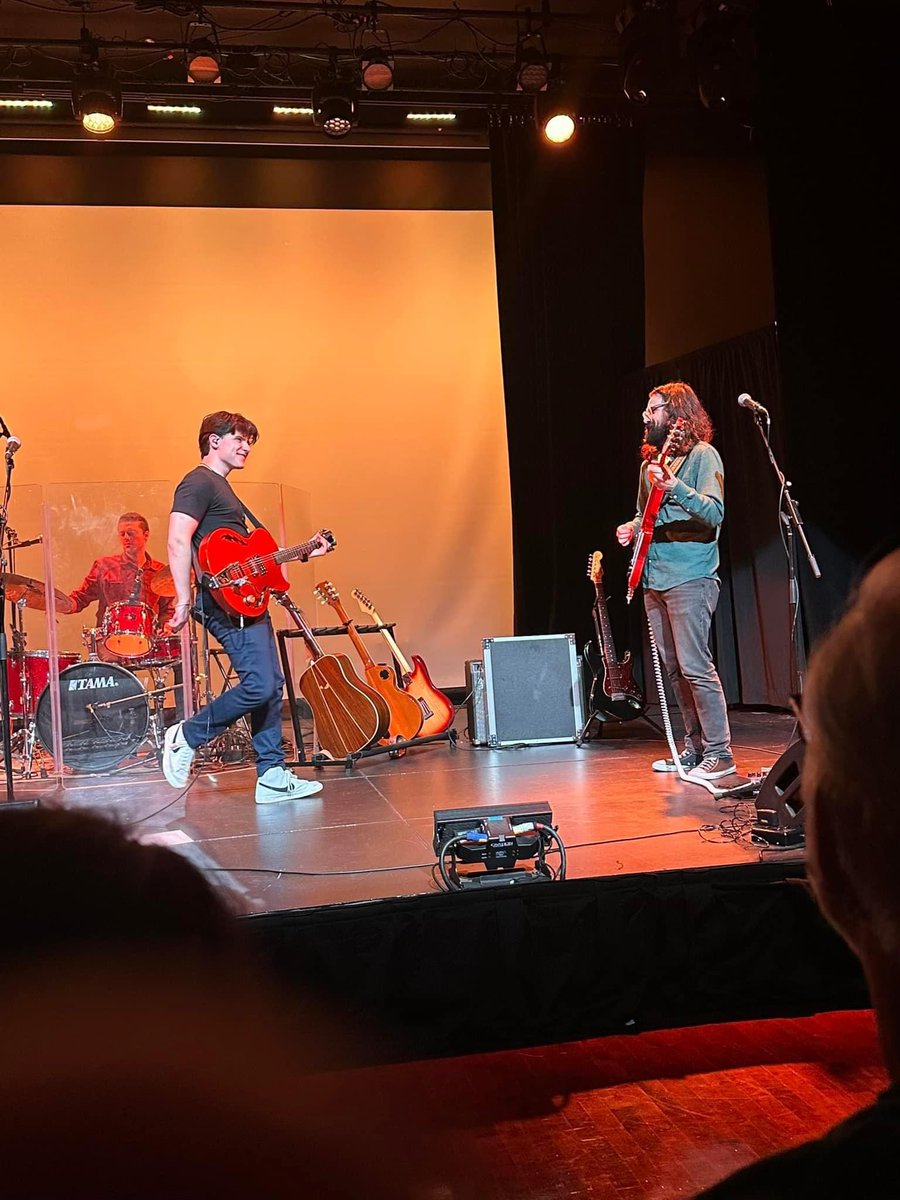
(436, 708)
(644, 536)
(614, 694)
(241, 570)
(348, 714)
(405, 715)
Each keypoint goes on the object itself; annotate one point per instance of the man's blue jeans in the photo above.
(681, 618)
(254, 657)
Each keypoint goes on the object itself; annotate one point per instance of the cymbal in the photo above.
(34, 593)
(162, 583)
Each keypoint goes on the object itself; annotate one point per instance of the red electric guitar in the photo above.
(644, 536)
(243, 569)
(414, 678)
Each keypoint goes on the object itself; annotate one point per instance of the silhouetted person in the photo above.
(852, 801)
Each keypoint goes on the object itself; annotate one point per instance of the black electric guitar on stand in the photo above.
(614, 694)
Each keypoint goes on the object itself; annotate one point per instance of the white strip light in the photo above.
(26, 103)
(431, 116)
(189, 110)
(280, 110)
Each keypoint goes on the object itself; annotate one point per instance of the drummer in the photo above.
(124, 577)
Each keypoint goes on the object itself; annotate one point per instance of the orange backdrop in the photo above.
(364, 344)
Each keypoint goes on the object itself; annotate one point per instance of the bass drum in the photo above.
(105, 716)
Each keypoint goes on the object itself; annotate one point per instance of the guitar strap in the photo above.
(247, 513)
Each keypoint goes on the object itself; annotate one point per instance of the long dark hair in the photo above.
(681, 401)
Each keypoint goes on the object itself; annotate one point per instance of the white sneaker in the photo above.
(177, 757)
(278, 783)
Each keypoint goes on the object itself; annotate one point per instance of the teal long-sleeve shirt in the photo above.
(686, 535)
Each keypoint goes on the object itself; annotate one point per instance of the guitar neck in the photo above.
(604, 629)
(357, 641)
(292, 553)
(405, 668)
(309, 638)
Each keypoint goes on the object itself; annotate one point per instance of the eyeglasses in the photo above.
(648, 412)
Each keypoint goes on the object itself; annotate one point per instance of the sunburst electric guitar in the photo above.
(414, 678)
(406, 716)
(644, 536)
(614, 694)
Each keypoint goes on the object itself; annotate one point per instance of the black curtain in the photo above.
(825, 116)
(752, 625)
(569, 246)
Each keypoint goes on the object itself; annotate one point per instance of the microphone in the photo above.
(747, 401)
(12, 445)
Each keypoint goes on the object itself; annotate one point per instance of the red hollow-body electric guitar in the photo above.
(241, 570)
(644, 536)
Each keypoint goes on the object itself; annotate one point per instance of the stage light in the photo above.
(722, 51)
(376, 71)
(41, 105)
(187, 110)
(532, 65)
(431, 116)
(334, 106)
(203, 64)
(97, 102)
(648, 46)
(284, 110)
(559, 128)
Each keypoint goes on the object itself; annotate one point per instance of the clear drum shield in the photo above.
(116, 678)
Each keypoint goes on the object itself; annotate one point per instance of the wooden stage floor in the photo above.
(368, 834)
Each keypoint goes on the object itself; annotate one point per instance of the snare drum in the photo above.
(36, 664)
(128, 630)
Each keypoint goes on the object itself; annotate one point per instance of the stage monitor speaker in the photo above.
(780, 815)
(476, 705)
(534, 689)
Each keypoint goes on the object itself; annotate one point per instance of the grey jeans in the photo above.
(681, 618)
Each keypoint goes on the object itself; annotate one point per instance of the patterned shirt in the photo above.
(112, 580)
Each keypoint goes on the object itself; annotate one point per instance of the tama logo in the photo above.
(105, 681)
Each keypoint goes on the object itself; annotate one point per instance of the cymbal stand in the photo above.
(4, 653)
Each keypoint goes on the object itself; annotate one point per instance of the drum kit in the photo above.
(111, 719)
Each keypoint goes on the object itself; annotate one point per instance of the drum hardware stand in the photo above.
(393, 749)
(4, 654)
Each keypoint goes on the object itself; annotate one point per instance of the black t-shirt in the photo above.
(210, 499)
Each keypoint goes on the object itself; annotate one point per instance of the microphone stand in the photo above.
(792, 523)
(4, 648)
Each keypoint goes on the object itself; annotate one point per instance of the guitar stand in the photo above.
(393, 749)
(583, 735)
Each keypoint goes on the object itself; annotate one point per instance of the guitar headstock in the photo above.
(327, 536)
(675, 439)
(326, 593)
(595, 567)
(364, 602)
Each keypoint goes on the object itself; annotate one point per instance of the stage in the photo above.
(368, 834)
(668, 916)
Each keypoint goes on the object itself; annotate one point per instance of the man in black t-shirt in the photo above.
(204, 501)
